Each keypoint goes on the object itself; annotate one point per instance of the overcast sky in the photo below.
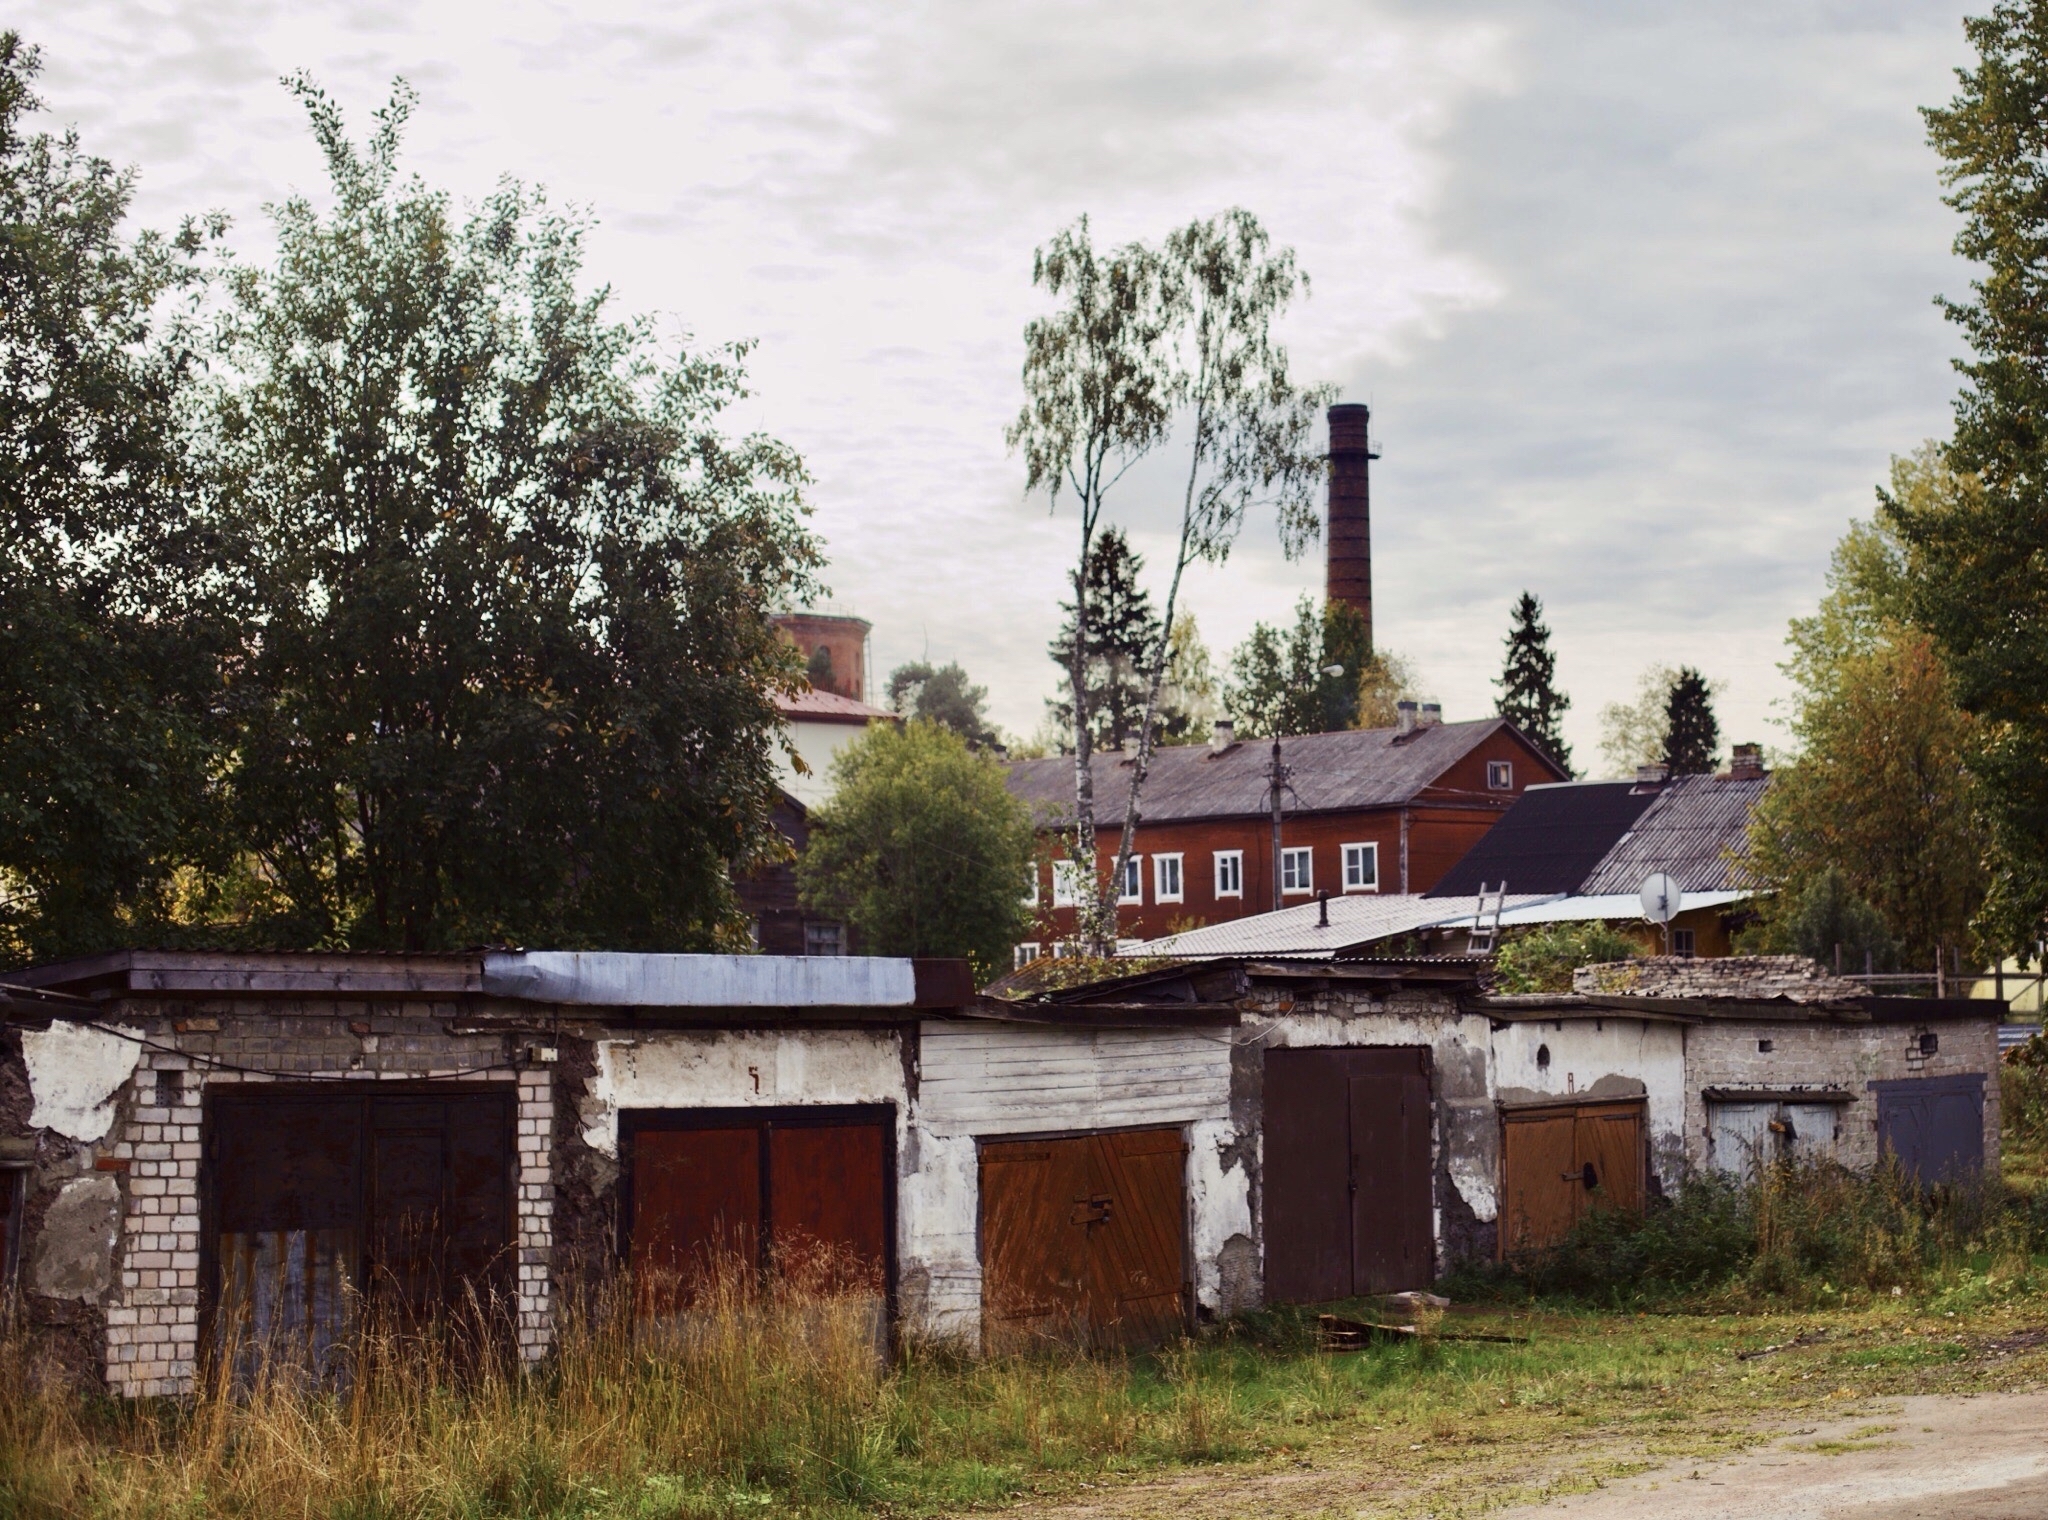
(1641, 293)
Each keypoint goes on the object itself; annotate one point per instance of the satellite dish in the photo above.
(1660, 898)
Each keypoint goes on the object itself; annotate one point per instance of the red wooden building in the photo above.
(1368, 810)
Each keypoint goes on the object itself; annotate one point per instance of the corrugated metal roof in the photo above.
(1607, 907)
(1360, 919)
(1358, 768)
(1689, 833)
(830, 707)
(1551, 840)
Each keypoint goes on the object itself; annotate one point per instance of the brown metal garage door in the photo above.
(311, 1192)
(1084, 1239)
(1561, 1160)
(1347, 1173)
(794, 1187)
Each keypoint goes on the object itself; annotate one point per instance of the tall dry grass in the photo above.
(759, 1396)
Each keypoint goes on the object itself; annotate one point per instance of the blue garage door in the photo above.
(1933, 1125)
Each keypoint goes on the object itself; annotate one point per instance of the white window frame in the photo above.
(1234, 859)
(1164, 891)
(1351, 853)
(1065, 950)
(1132, 888)
(1296, 856)
(1684, 942)
(1066, 884)
(1505, 769)
(1024, 953)
(1031, 892)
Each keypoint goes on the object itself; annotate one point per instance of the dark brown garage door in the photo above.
(407, 1193)
(1347, 1187)
(798, 1187)
(1561, 1160)
(1084, 1239)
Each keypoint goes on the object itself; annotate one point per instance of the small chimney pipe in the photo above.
(1653, 775)
(1404, 717)
(1223, 735)
(1746, 762)
(1431, 715)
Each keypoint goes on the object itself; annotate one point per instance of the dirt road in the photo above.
(1948, 1456)
(1938, 1456)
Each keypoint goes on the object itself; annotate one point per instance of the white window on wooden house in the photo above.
(1297, 870)
(1681, 942)
(1031, 886)
(1166, 886)
(1361, 868)
(1062, 949)
(1066, 884)
(1500, 775)
(1230, 873)
(1132, 888)
(824, 939)
(1024, 954)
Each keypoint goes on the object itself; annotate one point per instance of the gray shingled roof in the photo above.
(1359, 768)
(1688, 833)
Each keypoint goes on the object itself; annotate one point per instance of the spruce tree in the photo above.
(1692, 734)
(1123, 630)
(1529, 697)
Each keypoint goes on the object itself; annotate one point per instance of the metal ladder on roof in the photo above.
(1486, 920)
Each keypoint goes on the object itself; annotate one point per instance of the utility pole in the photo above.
(1276, 778)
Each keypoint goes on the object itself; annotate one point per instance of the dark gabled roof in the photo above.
(1340, 772)
(1551, 840)
(1690, 833)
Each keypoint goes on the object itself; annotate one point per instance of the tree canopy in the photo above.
(1280, 680)
(111, 634)
(1529, 697)
(1977, 588)
(432, 612)
(1692, 734)
(1123, 630)
(944, 695)
(921, 848)
(1879, 794)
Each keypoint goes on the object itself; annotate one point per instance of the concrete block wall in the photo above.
(1849, 1056)
(152, 1308)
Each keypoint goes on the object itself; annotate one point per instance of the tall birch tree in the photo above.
(1212, 295)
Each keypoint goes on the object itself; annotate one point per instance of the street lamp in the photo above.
(1276, 777)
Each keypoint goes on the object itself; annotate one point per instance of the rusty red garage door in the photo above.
(1084, 1239)
(800, 1188)
(1559, 1161)
(1347, 1173)
(311, 1194)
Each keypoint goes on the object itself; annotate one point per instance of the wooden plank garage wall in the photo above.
(986, 1079)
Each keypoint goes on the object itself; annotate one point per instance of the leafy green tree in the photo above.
(1122, 632)
(921, 848)
(1529, 697)
(510, 673)
(1632, 733)
(1142, 337)
(110, 635)
(1826, 920)
(1189, 701)
(943, 695)
(1281, 680)
(1692, 734)
(1543, 959)
(1977, 552)
(1880, 794)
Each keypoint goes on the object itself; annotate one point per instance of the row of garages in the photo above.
(181, 1133)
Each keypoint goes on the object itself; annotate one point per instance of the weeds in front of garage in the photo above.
(770, 1399)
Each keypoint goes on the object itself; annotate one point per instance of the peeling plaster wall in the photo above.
(76, 1074)
(1601, 1058)
(1465, 1139)
(744, 1068)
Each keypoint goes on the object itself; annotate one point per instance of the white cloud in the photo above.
(1640, 294)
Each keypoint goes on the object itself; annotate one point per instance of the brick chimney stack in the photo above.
(1350, 518)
